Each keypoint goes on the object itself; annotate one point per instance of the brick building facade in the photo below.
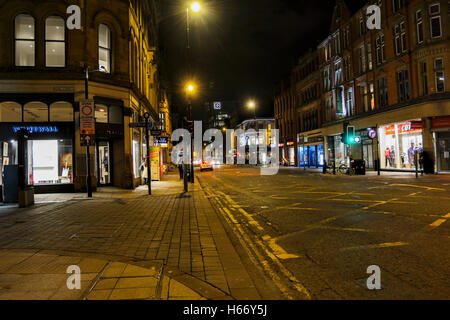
(394, 80)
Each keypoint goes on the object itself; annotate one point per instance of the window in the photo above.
(403, 85)
(115, 114)
(419, 26)
(101, 113)
(435, 20)
(364, 97)
(369, 55)
(439, 71)
(104, 48)
(396, 5)
(362, 26)
(347, 74)
(55, 46)
(25, 41)
(10, 112)
(362, 60)
(337, 43)
(400, 38)
(61, 112)
(338, 73)
(381, 50)
(423, 71)
(349, 103)
(383, 92)
(35, 112)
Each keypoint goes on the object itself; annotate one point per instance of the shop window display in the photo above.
(398, 144)
(50, 162)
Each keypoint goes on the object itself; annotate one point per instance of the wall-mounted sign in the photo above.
(217, 105)
(372, 134)
(36, 129)
(162, 140)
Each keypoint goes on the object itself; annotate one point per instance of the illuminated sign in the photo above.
(37, 129)
(217, 105)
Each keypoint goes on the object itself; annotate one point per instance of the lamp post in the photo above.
(190, 89)
(88, 155)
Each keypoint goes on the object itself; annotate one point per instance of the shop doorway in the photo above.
(443, 152)
(104, 162)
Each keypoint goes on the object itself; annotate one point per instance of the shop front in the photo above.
(441, 132)
(399, 142)
(311, 152)
(49, 154)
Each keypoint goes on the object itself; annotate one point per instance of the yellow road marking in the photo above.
(375, 246)
(414, 186)
(276, 279)
(297, 208)
(277, 250)
(438, 222)
(278, 197)
(377, 204)
(344, 229)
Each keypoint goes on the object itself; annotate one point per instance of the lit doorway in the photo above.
(104, 163)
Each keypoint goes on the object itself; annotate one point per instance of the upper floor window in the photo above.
(396, 5)
(55, 46)
(381, 50)
(419, 26)
(403, 85)
(439, 73)
(435, 20)
(400, 38)
(104, 48)
(25, 41)
(362, 26)
(423, 71)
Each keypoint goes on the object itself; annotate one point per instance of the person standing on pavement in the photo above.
(144, 171)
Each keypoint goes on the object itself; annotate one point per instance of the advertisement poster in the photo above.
(154, 162)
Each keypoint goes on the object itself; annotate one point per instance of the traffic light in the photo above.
(351, 135)
(189, 125)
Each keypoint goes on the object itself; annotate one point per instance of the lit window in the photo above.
(104, 48)
(25, 41)
(61, 112)
(10, 112)
(101, 113)
(35, 112)
(439, 71)
(55, 46)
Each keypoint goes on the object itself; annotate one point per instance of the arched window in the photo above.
(55, 45)
(35, 112)
(61, 112)
(104, 48)
(10, 112)
(25, 41)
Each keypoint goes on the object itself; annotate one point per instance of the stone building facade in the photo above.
(42, 80)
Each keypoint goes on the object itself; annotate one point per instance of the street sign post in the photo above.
(87, 132)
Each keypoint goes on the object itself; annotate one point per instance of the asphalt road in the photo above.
(316, 235)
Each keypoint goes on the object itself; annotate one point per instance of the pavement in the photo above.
(234, 235)
(128, 245)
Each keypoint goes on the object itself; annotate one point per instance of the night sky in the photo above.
(240, 48)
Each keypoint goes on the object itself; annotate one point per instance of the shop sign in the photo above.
(290, 143)
(402, 128)
(36, 129)
(162, 140)
(441, 122)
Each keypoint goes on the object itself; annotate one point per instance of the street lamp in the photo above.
(195, 7)
(252, 105)
(190, 89)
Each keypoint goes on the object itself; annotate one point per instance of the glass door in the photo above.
(444, 153)
(104, 163)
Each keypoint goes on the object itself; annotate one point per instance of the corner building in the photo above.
(42, 80)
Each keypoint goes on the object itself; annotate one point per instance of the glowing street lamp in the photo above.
(252, 105)
(196, 7)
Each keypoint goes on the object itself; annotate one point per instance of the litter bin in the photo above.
(359, 167)
(10, 184)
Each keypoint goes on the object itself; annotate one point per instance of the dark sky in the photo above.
(240, 48)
